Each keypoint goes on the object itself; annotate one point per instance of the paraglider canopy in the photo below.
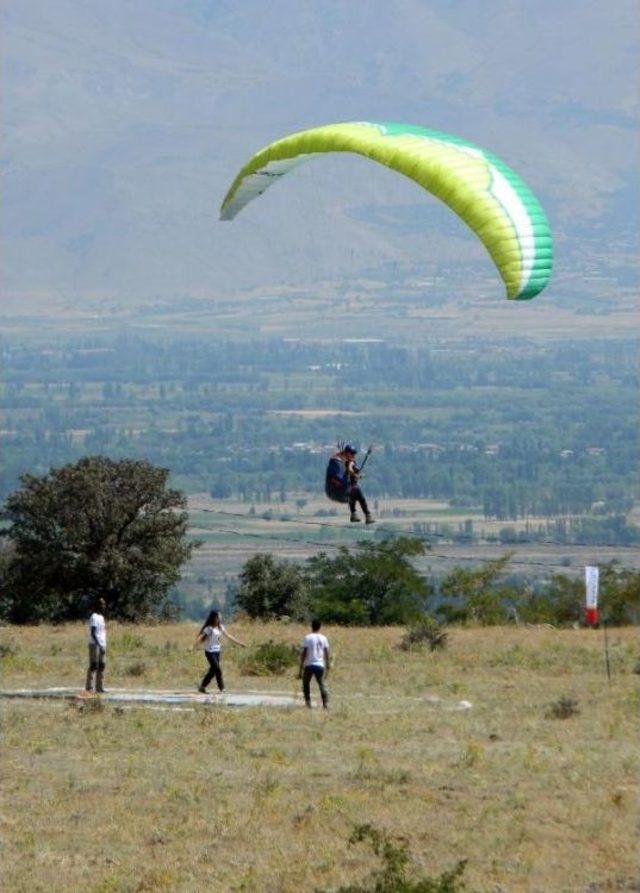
(491, 199)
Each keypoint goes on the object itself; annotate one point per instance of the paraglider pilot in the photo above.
(342, 483)
(356, 496)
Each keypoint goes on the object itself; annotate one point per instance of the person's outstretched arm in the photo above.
(233, 639)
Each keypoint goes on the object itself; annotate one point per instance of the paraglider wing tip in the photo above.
(228, 208)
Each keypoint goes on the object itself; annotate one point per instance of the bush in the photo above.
(426, 631)
(392, 876)
(563, 708)
(126, 642)
(559, 601)
(270, 588)
(7, 650)
(476, 595)
(269, 659)
(376, 584)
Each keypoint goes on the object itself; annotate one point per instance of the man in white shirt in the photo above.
(315, 660)
(97, 646)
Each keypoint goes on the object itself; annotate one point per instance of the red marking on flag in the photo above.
(592, 616)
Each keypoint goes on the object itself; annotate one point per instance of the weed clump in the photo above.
(7, 650)
(426, 631)
(138, 668)
(126, 642)
(269, 659)
(370, 770)
(90, 705)
(392, 876)
(563, 708)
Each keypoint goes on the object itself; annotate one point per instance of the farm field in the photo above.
(406, 310)
(114, 799)
(230, 532)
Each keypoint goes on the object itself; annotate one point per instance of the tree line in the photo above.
(118, 530)
(376, 584)
(517, 428)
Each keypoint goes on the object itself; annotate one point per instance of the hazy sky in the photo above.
(125, 120)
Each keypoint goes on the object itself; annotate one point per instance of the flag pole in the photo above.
(607, 662)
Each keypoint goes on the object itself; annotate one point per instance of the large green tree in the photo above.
(373, 585)
(97, 527)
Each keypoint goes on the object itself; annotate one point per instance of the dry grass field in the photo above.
(117, 799)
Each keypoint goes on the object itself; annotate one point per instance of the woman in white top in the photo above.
(211, 634)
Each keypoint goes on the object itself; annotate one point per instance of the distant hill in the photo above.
(125, 122)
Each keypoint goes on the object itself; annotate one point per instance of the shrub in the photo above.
(270, 588)
(7, 650)
(392, 876)
(126, 642)
(426, 631)
(139, 668)
(375, 584)
(269, 659)
(476, 595)
(563, 708)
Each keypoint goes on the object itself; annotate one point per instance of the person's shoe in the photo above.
(202, 690)
(370, 519)
(354, 518)
(100, 691)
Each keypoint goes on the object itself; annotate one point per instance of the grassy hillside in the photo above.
(265, 800)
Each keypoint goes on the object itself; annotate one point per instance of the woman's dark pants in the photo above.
(307, 675)
(214, 670)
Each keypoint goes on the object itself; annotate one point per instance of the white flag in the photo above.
(591, 579)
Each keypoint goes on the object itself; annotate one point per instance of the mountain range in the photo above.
(125, 121)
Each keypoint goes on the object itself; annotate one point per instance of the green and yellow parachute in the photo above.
(491, 199)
